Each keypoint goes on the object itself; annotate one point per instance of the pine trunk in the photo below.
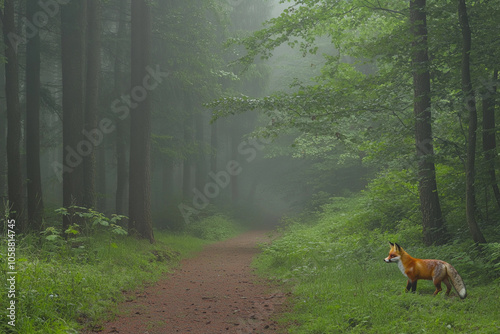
(140, 223)
(121, 195)
(14, 136)
(92, 133)
(73, 60)
(34, 183)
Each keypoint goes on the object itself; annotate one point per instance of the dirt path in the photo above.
(214, 292)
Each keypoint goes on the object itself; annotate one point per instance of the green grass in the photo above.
(60, 288)
(334, 267)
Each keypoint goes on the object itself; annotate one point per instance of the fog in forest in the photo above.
(303, 135)
(198, 164)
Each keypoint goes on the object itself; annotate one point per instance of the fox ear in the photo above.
(398, 247)
(392, 245)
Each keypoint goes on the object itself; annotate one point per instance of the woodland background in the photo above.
(349, 123)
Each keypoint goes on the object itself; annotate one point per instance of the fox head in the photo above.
(394, 253)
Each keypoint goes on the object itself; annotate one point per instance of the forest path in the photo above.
(214, 292)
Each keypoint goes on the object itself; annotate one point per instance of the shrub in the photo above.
(213, 228)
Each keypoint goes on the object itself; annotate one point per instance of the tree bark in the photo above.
(14, 178)
(73, 60)
(34, 186)
(201, 167)
(470, 105)
(121, 194)
(434, 231)
(214, 145)
(3, 157)
(489, 140)
(92, 100)
(140, 223)
(187, 166)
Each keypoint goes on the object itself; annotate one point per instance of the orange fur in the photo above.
(436, 270)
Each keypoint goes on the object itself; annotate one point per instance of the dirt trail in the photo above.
(214, 292)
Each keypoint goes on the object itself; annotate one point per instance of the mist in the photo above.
(197, 162)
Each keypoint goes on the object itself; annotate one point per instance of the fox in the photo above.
(436, 270)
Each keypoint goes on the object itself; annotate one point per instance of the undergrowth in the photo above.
(71, 279)
(334, 265)
(214, 228)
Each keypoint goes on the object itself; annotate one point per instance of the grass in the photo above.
(340, 283)
(62, 286)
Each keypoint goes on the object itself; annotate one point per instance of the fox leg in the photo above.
(448, 285)
(411, 286)
(437, 284)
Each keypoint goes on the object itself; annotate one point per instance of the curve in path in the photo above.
(214, 292)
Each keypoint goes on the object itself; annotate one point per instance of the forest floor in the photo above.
(214, 292)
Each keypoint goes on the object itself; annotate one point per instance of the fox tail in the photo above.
(456, 280)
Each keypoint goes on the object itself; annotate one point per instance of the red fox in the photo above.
(436, 270)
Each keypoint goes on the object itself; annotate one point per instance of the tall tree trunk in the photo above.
(15, 178)
(213, 147)
(121, 195)
(235, 140)
(140, 223)
(3, 157)
(35, 199)
(92, 134)
(101, 179)
(434, 231)
(489, 140)
(470, 105)
(73, 60)
(187, 175)
(201, 168)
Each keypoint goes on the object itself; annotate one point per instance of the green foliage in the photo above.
(340, 283)
(213, 228)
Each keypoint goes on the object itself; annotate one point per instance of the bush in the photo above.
(213, 228)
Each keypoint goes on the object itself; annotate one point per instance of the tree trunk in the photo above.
(14, 178)
(73, 61)
(101, 179)
(235, 140)
(35, 199)
(213, 147)
(3, 158)
(489, 140)
(187, 166)
(470, 105)
(201, 167)
(140, 223)
(121, 195)
(434, 231)
(92, 133)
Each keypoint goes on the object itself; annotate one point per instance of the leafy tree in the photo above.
(432, 218)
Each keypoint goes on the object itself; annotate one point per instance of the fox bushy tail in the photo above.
(456, 280)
